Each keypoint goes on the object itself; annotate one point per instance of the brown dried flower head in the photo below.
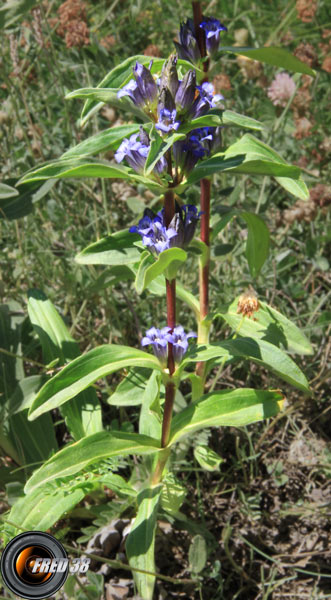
(221, 82)
(251, 69)
(306, 10)
(248, 303)
(77, 34)
(307, 53)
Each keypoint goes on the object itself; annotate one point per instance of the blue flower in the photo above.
(207, 92)
(167, 120)
(178, 338)
(135, 151)
(212, 28)
(158, 339)
(186, 91)
(157, 237)
(142, 90)
(188, 48)
(197, 144)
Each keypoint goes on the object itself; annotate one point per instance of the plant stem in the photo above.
(204, 199)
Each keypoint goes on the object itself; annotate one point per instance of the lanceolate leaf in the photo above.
(257, 350)
(85, 370)
(236, 408)
(141, 539)
(109, 139)
(91, 449)
(116, 249)
(40, 509)
(83, 412)
(216, 118)
(88, 167)
(270, 325)
(271, 55)
(158, 148)
(257, 245)
(7, 191)
(150, 268)
(261, 159)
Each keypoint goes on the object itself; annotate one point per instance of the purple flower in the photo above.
(142, 90)
(188, 48)
(178, 338)
(212, 28)
(198, 144)
(207, 93)
(186, 91)
(167, 120)
(157, 237)
(135, 151)
(158, 339)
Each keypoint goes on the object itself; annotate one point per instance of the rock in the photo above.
(109, 540)
(119, 524)
(116, 592)
(94, 563)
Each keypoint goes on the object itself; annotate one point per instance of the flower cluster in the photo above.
(157, 237)
(167, 100)
(199, 143)
(160, 338)
(188, 47)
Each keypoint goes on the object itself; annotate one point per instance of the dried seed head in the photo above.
(248, 303)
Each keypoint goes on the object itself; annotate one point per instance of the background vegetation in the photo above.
(263, 513)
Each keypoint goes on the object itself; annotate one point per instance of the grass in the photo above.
(264, 514)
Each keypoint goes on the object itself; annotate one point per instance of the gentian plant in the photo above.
(176, 143)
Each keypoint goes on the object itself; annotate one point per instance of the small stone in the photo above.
(94, 563)
(109, 540)
(119, 524)
(116, 592)
(94, 542)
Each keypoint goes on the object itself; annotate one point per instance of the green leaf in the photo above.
(261, 159)
(225, 408)
(91, 449)
(296, 187)
(116, 249)
(130, 390)
(207, 458)
(168, 262)
(150, 414)
(271, 55)
(80, 167)
(197, 554)
(7, 191)
(101, 96)
(159, 147)
(21, 204)
(258, 240)
(270, 325)
(230, 117)
(259, 351)
(85, 370)
(141, 540)
(118, 484)
(83, 413)
(13, 10)
(205, 168)
(173, 494)
(109, 139)
(40, 509)
(24, 394)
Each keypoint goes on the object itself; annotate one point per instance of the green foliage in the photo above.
(272, 55)
(141, 540)
(92, 448)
